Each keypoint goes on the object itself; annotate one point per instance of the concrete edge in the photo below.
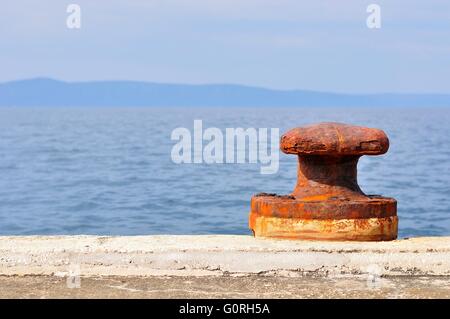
(219, 255)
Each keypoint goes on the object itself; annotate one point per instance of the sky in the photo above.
(322, 45)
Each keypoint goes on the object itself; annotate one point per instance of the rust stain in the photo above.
(327, 202)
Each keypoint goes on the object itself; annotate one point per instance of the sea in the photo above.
(109, 171)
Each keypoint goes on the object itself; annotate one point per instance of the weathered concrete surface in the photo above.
(253, 286)
(220, 255)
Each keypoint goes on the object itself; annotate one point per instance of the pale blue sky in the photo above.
(317, 45)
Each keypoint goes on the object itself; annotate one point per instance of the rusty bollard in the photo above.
(327, 203)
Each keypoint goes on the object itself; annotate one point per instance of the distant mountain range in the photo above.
(49, 92)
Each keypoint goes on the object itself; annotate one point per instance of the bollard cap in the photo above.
(334, 139)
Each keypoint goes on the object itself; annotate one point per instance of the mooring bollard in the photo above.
(327, 203)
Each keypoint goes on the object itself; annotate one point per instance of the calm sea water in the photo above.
(109, 171)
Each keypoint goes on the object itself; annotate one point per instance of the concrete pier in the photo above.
(222, 266)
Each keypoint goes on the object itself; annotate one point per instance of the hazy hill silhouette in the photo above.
(49, 92)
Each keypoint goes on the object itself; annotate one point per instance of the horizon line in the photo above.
(222, 84)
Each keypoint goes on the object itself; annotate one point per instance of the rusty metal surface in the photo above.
(356, 229)
(324, 209)
(334, 139)
(327, 202)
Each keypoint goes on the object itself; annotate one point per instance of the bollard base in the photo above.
(368, 229)
(371, 219)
